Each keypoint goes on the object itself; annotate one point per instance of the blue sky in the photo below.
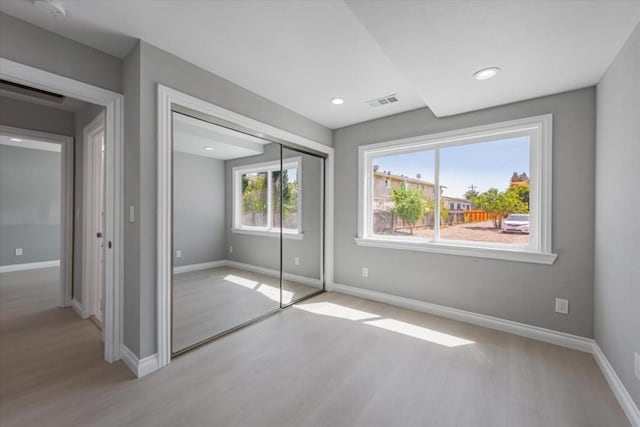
(484, 165)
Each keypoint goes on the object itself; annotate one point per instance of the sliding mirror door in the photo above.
(300, 212)
(219, 254)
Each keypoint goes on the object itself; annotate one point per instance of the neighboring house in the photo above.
(384, 183)
(455, 204)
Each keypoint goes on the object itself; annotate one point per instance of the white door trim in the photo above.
(66, 202)
(114, 167)
(90, 257)
(168, 97)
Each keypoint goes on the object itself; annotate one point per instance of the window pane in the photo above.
(288, 181)
(254, 200)
(484, 186)
(404, 194)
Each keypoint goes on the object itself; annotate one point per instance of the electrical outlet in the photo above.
(132, 213)
(178, 253)
(365, 272)
(230, 249)
(562, 306)
(18, 251)
(636, 365)
(296, 261)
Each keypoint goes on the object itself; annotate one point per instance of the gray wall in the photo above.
(82, 118)
(144, 68)
(198, 209)
(32, 227)
(264, 251)
(509, 290)
(33, 46)
(25, 115)
(617, 237)
(29, 205)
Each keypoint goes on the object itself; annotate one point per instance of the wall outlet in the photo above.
(636, 365)
(18, 251)
(296, 261)
(562, 306)
(230, 249)
(132, 214)
(178, 253)
(365, 272)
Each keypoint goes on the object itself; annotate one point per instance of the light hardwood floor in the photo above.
(208, 302)
(333, 360)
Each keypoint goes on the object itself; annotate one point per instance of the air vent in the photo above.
(385, 100)
(31, 91)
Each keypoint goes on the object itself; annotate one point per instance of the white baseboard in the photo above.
(534, 332)
(29, 266)
(309, 281)
(201, 266)
(77, 306)
(619, 390)
(521, 329)
(139, 367)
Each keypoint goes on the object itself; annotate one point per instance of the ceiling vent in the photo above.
(29, 91)
(385, 100)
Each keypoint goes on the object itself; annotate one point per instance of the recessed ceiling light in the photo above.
(486, 73)
(209, 148)
(15, 139)
(337, 101)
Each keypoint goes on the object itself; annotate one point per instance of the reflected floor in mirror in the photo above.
(209, 302)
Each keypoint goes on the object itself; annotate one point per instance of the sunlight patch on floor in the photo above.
(419, 332)
(250, 284)
(336, 310)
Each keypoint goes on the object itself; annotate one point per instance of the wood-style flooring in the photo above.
(209, 302)
(333, 360)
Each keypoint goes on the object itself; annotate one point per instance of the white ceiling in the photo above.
(300, 54)
(192, 135)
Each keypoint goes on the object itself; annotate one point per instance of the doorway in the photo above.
(113, 231)
(93, 220)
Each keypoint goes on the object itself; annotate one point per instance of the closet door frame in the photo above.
(168, 99)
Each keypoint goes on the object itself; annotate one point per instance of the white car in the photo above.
(516, 223)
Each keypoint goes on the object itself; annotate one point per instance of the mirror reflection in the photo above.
(247, 229)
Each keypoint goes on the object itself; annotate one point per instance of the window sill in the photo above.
(518, 255)
(292, 235)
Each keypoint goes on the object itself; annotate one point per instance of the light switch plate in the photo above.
(296, 261)
(132, 214)
(18, 251)
(178, 253)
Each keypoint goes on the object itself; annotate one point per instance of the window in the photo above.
(503, 170)
(266, 197)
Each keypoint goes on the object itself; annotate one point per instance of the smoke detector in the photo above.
(51, 7)
(385, 100)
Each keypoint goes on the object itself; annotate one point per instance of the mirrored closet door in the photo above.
(247, 229)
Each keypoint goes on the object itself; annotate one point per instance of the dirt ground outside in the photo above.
(476, 232)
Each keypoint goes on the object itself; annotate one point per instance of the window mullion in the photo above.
(269, 199)
(436, 191)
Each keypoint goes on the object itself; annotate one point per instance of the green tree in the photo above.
(470, 194)
(500, 205)
(444, 208)
(408, 205)
(254, 195)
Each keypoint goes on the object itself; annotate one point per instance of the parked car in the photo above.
(516, 223)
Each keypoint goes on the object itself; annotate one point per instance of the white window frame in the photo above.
(539, 250)
(269, 168)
